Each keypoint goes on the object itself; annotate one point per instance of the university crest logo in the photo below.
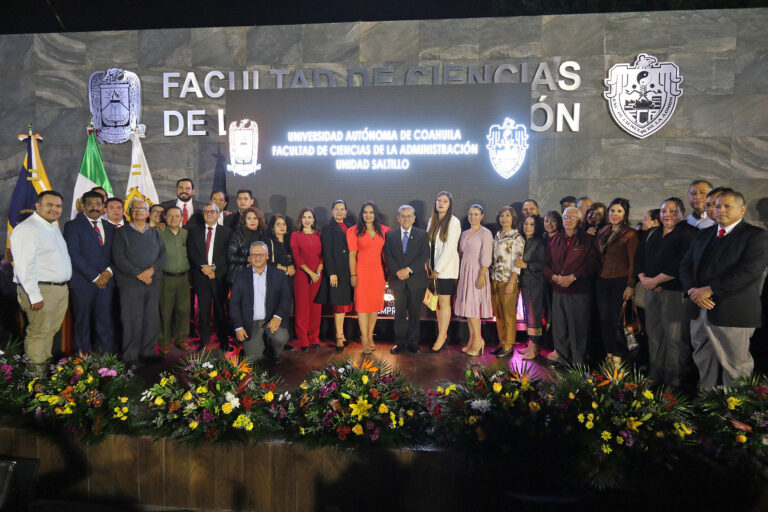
(642, 97)
(507, 145)
(115, 100)
(244, 147)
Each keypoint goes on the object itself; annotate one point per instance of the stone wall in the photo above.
(719, 131)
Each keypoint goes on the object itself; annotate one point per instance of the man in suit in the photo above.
(207, 251)
(723, 273)
(221, 199)
(115, 212)
(89, 242)
(259, 305)
(407, 251)
(191, 210)
(244, 200)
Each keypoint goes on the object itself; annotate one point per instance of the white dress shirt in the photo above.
(209, 256)
(702, 223)
(39, 255)
(259, 294)
(728, 229)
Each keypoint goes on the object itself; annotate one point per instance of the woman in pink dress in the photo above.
(308, 256)
(366, 242)
(473, 293)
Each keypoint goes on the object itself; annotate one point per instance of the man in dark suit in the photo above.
(407, 251)
(207, 251)
(259, 305)
(191, 210)
(244, 200)
(89, 242)
(723, 273)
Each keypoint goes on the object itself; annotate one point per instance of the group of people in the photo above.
(129, 281)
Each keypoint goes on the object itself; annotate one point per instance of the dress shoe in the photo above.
(397, 349)
(304, 349)
(314, 346)
(552, 356)
(415, 349)
(531, 354)
(497, 350)
(506, 352)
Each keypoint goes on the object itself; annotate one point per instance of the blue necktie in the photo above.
(405, 241)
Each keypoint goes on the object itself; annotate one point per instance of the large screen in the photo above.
(392, 145)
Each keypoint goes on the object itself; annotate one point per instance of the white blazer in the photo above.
(447, 253)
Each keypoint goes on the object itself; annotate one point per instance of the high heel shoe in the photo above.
(532, 353)
(477, 352)
(434, 350)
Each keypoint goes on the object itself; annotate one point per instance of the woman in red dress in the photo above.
(308, 256)
(366, 241)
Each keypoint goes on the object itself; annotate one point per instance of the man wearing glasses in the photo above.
(138, 256)
(207, 251)
(259, 305)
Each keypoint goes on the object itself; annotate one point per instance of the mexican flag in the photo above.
(92, 172)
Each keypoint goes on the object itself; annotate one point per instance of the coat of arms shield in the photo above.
(642, 97)
(244, 147)
(507, 146)
(115, 100)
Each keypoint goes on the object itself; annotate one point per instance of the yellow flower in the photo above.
(660, 434)
(590, 416)
(589, 425)
(647, 394)
(682, 429)
(633, 423)
(497, 387)
(741, 438)
(606, 435)
(734, 402)
(193, 425)
(90, 379)
(450, 388)
(526, 386)
(360, 408)
(439, 390)
(580, 417)
(31, 384)
(594, 405)
(302, 431)
(269, 396)
(124, 399)
(159, 401)
(571, 395)
(213, 374)
(534, 406)
(383, 409)
(53, 400)
(358, 429)
(187, 396)
(606, 449)
(400, 421)
(125, 409)
(619, 440)
(322, 377)
(163, 382)
(123, 418)
(201, 390)
(365, 380)
(226, 408)
(409, 412)
(472, 420)
(304, 385)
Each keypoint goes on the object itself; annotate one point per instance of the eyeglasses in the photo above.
(139, 208)
(259, 255)
(210, 211)
(571, 217)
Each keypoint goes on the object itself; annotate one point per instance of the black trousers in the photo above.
(570, 326)
(92, 319)
(609, 293)
(408, 300)
(212, 296)
(141, 319)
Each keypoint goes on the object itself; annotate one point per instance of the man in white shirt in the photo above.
(191, 210)
(115, 212)
(697, 198)
(41, 269)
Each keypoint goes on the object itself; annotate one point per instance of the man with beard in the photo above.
(191, 210)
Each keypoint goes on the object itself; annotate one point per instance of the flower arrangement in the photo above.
(210, 399)
(491, 409)
(90, 394)
(15, 373)
(614, 419)
(357, 403)
(734, 422)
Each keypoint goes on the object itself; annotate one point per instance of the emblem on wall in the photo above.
(244, 147)
(642, 97)
(507, 146)
(115, 99)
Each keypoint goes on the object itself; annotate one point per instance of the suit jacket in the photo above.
(583, 261)
(415, 257)
(734, 268)
(195, 216)
(335, 262)
(278, 298)
(231, 220)
(198, 257)
(89, 257)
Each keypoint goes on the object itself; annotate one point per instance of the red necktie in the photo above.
(96, 228)
(184, 215)
(721, 233)
(208, 241)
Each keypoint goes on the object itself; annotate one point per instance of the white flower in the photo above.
(191, 406)
(284, 396)
(481, 405)
(764, 439)
(208, 365)
(232, 399)
(341, 370)
(146, 395)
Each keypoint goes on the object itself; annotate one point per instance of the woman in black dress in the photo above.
(336, 290)
(532, 281)
(279, 244)
(250, 228)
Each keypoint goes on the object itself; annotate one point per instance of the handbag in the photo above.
(630, 322)
(430, 297)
